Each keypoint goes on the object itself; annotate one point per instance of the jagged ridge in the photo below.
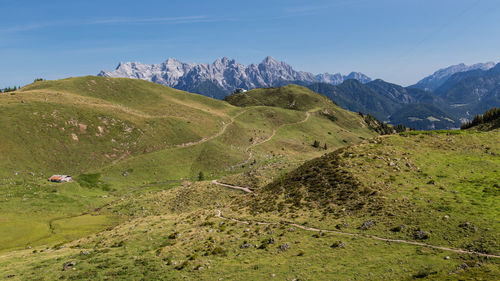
(224, 75)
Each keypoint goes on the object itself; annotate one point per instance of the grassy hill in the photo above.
(418, 205)
(131, 137)
(76, 124)
(447, 180)
(289, 97)
(438, 193)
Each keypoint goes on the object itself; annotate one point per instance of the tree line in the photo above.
(15, 88)
(10, 89)
(486, 117)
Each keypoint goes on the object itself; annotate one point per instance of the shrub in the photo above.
(315, 144)
(424, 273)
(329, 116)
(118, 244)
(218, 251)
(396, 228)
(92, 181)
(182, 265)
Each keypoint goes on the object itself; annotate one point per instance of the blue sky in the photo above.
(399, 41)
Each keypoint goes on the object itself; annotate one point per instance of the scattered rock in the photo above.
(338, 244)
(420, 234)
(367, 224)
(465, 224)
(68, 265)
(291, 229)
(284, 247)
(245, 246)
(468, 225)
(462, 266)
(272, 274)
(447, 257)
(340, 226)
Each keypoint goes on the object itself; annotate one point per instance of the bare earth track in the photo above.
(223, 129)
(247, 190)
(250, 153)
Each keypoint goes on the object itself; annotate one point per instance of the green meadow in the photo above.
(143, 205)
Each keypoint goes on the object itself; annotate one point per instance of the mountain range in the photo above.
(224, 75)
(391, 103)
(443, 100)
(438, 78)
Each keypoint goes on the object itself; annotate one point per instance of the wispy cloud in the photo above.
(169, 20)
(27, 27)
(307, 10)
(108, 21)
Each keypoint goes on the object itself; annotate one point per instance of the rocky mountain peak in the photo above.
(438, 78)
(224, 73)
(270, 61)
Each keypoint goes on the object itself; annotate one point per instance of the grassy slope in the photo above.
(111, 118)
(131, 132)
(289, 97)
(429, 181)
(174, 234)
(78, 125)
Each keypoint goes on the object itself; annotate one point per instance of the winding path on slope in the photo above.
(247, 190)
(205, 139)
(193, 143)
(250, 154)
(308, 114)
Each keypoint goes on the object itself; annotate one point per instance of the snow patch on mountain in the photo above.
(438, 78)
(226, 73)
